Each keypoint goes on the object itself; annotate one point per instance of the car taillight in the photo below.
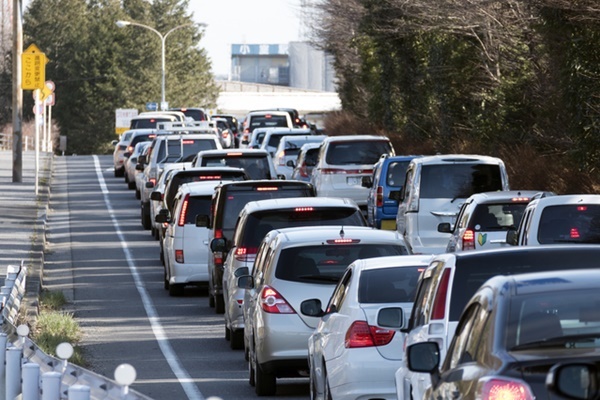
(333, 171)
(218, 233)
(468, 240)
(179, 256)
(245, 253)
(274, 303)
(184, 210)
(303, 171)
(267, 189)
(152, 181)
(379, 197)
(218, 255)
(129, 148)
(304, 209)
(361, 334)
(439, 304)
(343, 241)
(499, 388)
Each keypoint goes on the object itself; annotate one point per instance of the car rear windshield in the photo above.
(147, 123)
(470, 273)
(311, 157)
(396, 173)
(360, 152)
(268, 121)
(497, 216)
(191, 147)
(255, 166)
(236, 200)
(141, 138)
(453, 181)
(197, 115)
(292, 147)
(197, 205)
(326, 263)
(570, 223)
(388, 285)
(196, 176)
(259, 224)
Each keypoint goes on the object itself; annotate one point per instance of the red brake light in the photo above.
(333, 171)
(217, 255)
(520, 199)
(267, 189)
(268, 116)
(183, 109)
(179, 256)
(234, 154)
(187, 141)
(581, 208)
(273, 302)
(468, 240)
(303, 171)
(153, 181)
(379, 197)
(152, 120)
(210, 177)
(504, 389)
(343, 241)
(184, 210)
(439, 305)
(303, 209)
(152, 136)
(129, 148)
(218, 234)
(360, 334)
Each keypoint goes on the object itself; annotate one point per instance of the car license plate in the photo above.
(353, 180)
(388, 224)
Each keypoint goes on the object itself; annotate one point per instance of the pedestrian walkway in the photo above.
(23, 218)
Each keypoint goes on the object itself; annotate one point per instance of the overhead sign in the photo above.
(259, 49)
(123, 118)
(151, 106)
(33, 70)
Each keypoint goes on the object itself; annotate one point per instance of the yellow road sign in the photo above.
(33, 73)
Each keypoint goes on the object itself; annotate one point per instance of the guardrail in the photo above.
(27, 373)
(6, 142)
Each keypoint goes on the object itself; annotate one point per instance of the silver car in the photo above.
(290, 264)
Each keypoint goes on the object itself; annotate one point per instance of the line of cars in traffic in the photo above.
(370, 308)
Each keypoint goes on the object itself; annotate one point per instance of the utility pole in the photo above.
(17, 93)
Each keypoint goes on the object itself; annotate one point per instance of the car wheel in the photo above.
(227, 333)
(119, 172)
(211, 297)
(237, 339)
(166, 279)
(152, 232)
(157, 234)
(176, 290)
(265, 384)
(138, 195)
(130, 185)
(327, 394)
(246, 353)
(251, 376)
(219, 304)
(146, 223)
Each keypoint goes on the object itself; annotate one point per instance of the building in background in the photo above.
(297, 65)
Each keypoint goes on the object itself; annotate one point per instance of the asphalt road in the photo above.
(109, 268)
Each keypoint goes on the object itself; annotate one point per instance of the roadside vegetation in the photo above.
(54, 326)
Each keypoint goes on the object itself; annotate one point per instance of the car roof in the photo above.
(501, 195)
(265, 112)
(548, 281)
(208, 170)
(318, 234)
(308, 146)
(199, 188)
(351, 138)
(391, 262)
(455, 158)
(274, 204)
(224, 152)
(569, 199)
(246, 185)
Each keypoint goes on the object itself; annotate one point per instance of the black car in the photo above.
(512, 332)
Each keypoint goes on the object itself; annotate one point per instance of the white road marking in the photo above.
(192, 391)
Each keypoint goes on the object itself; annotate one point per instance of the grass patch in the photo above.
(54, 326)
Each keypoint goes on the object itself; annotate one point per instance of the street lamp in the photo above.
(163, 38)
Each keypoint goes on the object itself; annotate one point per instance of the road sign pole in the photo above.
(17, 93)
(37, 93)
(50, 141)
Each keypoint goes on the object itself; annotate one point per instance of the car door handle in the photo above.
(205, 242)
(443, 213)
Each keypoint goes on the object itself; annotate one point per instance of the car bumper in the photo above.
(188, 273)
(281, 337)
(359, 196)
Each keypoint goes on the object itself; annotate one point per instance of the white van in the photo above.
(435, 189)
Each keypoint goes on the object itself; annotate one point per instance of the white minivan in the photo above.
(435, 188)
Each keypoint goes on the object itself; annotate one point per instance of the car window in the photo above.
(569, 223)
(459, 180)
(396, 173)
(388, 285)
(191, 147)
(340, 292)
(497, 216)
(464, 344)
(268, 121)
(147, 123)
(255, 167)
(326, 263)
(357, 152)
(197, 205)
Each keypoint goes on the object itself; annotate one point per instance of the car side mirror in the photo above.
(162, 216)
(138, 166)
(127, 154)
(241, 272)
(290, 163)
(218, 244)
(149, 185)
(312, 308)
(391, 317)
(367, 182)
(573, 380)
(202, 220)
(245, 282)
(156, 195)
(512, 237)
(444, 227)
(143, 159)
(423, 357)
(395, 195)
(114, 142)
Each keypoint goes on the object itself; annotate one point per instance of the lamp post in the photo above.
(163, 38)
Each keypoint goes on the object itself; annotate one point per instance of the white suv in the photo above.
(344, 161)
(255, 220)
(434, 190)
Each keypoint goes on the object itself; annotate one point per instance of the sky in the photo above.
(245, 21)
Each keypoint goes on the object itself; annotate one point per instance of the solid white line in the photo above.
(192, 391)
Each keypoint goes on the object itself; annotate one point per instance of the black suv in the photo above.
(227, 202)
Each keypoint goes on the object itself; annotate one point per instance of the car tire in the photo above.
(176, 290)
(138, 195)
(152, 232)
(119, 172)
(211, 296)
(251, 375)
(146, 223)
(265, 384)
(166, 279)
(236, 339)
(219, 304)
(227, 333)
(130, 185)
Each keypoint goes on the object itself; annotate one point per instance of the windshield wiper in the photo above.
(559, 340)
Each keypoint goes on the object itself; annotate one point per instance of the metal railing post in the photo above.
(79, 392)
(3, 341)
(13, 372)
(31, 381)
(51, 385)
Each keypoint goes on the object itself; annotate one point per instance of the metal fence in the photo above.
(27, 373)
(6, 142)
